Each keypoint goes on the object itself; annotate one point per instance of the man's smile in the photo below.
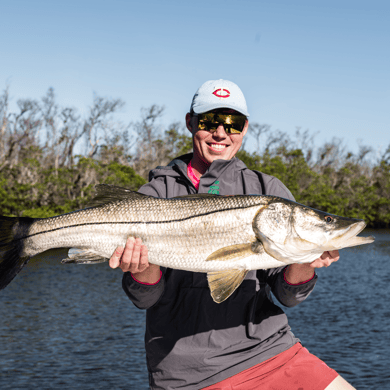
(217, 147)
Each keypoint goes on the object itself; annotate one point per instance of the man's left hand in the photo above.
(300, 273)
(326, 259)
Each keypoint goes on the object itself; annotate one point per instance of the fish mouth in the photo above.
(349, 237)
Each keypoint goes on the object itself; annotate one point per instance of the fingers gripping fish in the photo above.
(223, 236)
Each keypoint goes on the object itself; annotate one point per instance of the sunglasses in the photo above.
(232, 123)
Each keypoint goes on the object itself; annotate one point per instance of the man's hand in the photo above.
(134, 258)
(299, 273)
(326, 259)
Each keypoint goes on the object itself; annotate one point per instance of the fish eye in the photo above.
(328, 219)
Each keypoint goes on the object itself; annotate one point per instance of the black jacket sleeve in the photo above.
(142, 295)
(286, 293)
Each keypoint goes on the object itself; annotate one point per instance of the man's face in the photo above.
(210, 146)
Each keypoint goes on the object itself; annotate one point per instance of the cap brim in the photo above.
(209, 107)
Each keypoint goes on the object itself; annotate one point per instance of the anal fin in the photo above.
(223, 283)
(81, 256)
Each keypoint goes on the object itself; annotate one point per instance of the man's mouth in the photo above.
(217, 147)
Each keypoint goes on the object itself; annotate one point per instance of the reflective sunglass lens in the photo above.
(233, 124)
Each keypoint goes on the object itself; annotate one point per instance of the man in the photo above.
(244, 342)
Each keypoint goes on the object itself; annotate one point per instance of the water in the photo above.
(72, 327)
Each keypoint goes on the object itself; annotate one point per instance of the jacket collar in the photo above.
(220, 176)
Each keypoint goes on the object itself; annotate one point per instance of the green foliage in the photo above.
(51, 192)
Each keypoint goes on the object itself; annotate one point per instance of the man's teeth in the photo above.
(218, 146)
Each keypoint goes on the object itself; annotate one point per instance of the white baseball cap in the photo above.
(220, 93)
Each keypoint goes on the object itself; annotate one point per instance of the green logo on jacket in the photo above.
(214, 189)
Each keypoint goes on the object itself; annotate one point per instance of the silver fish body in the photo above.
(224, 236)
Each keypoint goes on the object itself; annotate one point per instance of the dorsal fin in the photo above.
(106, 193)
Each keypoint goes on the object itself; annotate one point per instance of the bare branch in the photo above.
(256, 130)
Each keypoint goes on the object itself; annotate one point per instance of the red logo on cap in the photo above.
(221, 93)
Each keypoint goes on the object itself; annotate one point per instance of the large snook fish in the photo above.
(225, 236)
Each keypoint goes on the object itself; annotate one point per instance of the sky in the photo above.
(317, 65)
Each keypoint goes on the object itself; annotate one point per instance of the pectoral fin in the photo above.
(80, 256)
(233, 252)
(223, 283)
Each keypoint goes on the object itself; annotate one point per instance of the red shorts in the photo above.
(294, 369)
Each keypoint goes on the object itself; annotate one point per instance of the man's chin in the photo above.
(217, 157)
(214, 154)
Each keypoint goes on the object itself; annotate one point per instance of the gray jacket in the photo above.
(192, 342)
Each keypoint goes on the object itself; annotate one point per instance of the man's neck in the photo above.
(199, 167)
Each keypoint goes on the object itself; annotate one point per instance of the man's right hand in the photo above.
(134, 258)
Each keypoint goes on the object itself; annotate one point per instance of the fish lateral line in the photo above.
(133, 222)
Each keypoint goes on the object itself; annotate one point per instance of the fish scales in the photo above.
(179, 233)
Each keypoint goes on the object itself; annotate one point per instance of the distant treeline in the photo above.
(51, 158)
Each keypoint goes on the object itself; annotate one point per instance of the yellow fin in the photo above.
(233, 252)
(223, 283)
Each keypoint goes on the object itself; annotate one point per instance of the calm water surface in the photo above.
(72, 327)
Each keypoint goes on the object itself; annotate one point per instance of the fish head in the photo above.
(325, 230)
(292, 232)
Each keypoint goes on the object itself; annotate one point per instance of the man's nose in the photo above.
(220, 133)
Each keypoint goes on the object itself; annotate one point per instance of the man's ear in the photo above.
(245, 128)
(188, 121)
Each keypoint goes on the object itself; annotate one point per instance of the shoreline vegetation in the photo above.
(51, 158)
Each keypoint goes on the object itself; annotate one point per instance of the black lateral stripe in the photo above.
(137, 222)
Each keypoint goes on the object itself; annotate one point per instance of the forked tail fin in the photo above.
(12, 234)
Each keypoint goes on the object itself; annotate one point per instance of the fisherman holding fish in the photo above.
(245, 341)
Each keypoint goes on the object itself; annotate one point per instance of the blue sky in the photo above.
(318, 65)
